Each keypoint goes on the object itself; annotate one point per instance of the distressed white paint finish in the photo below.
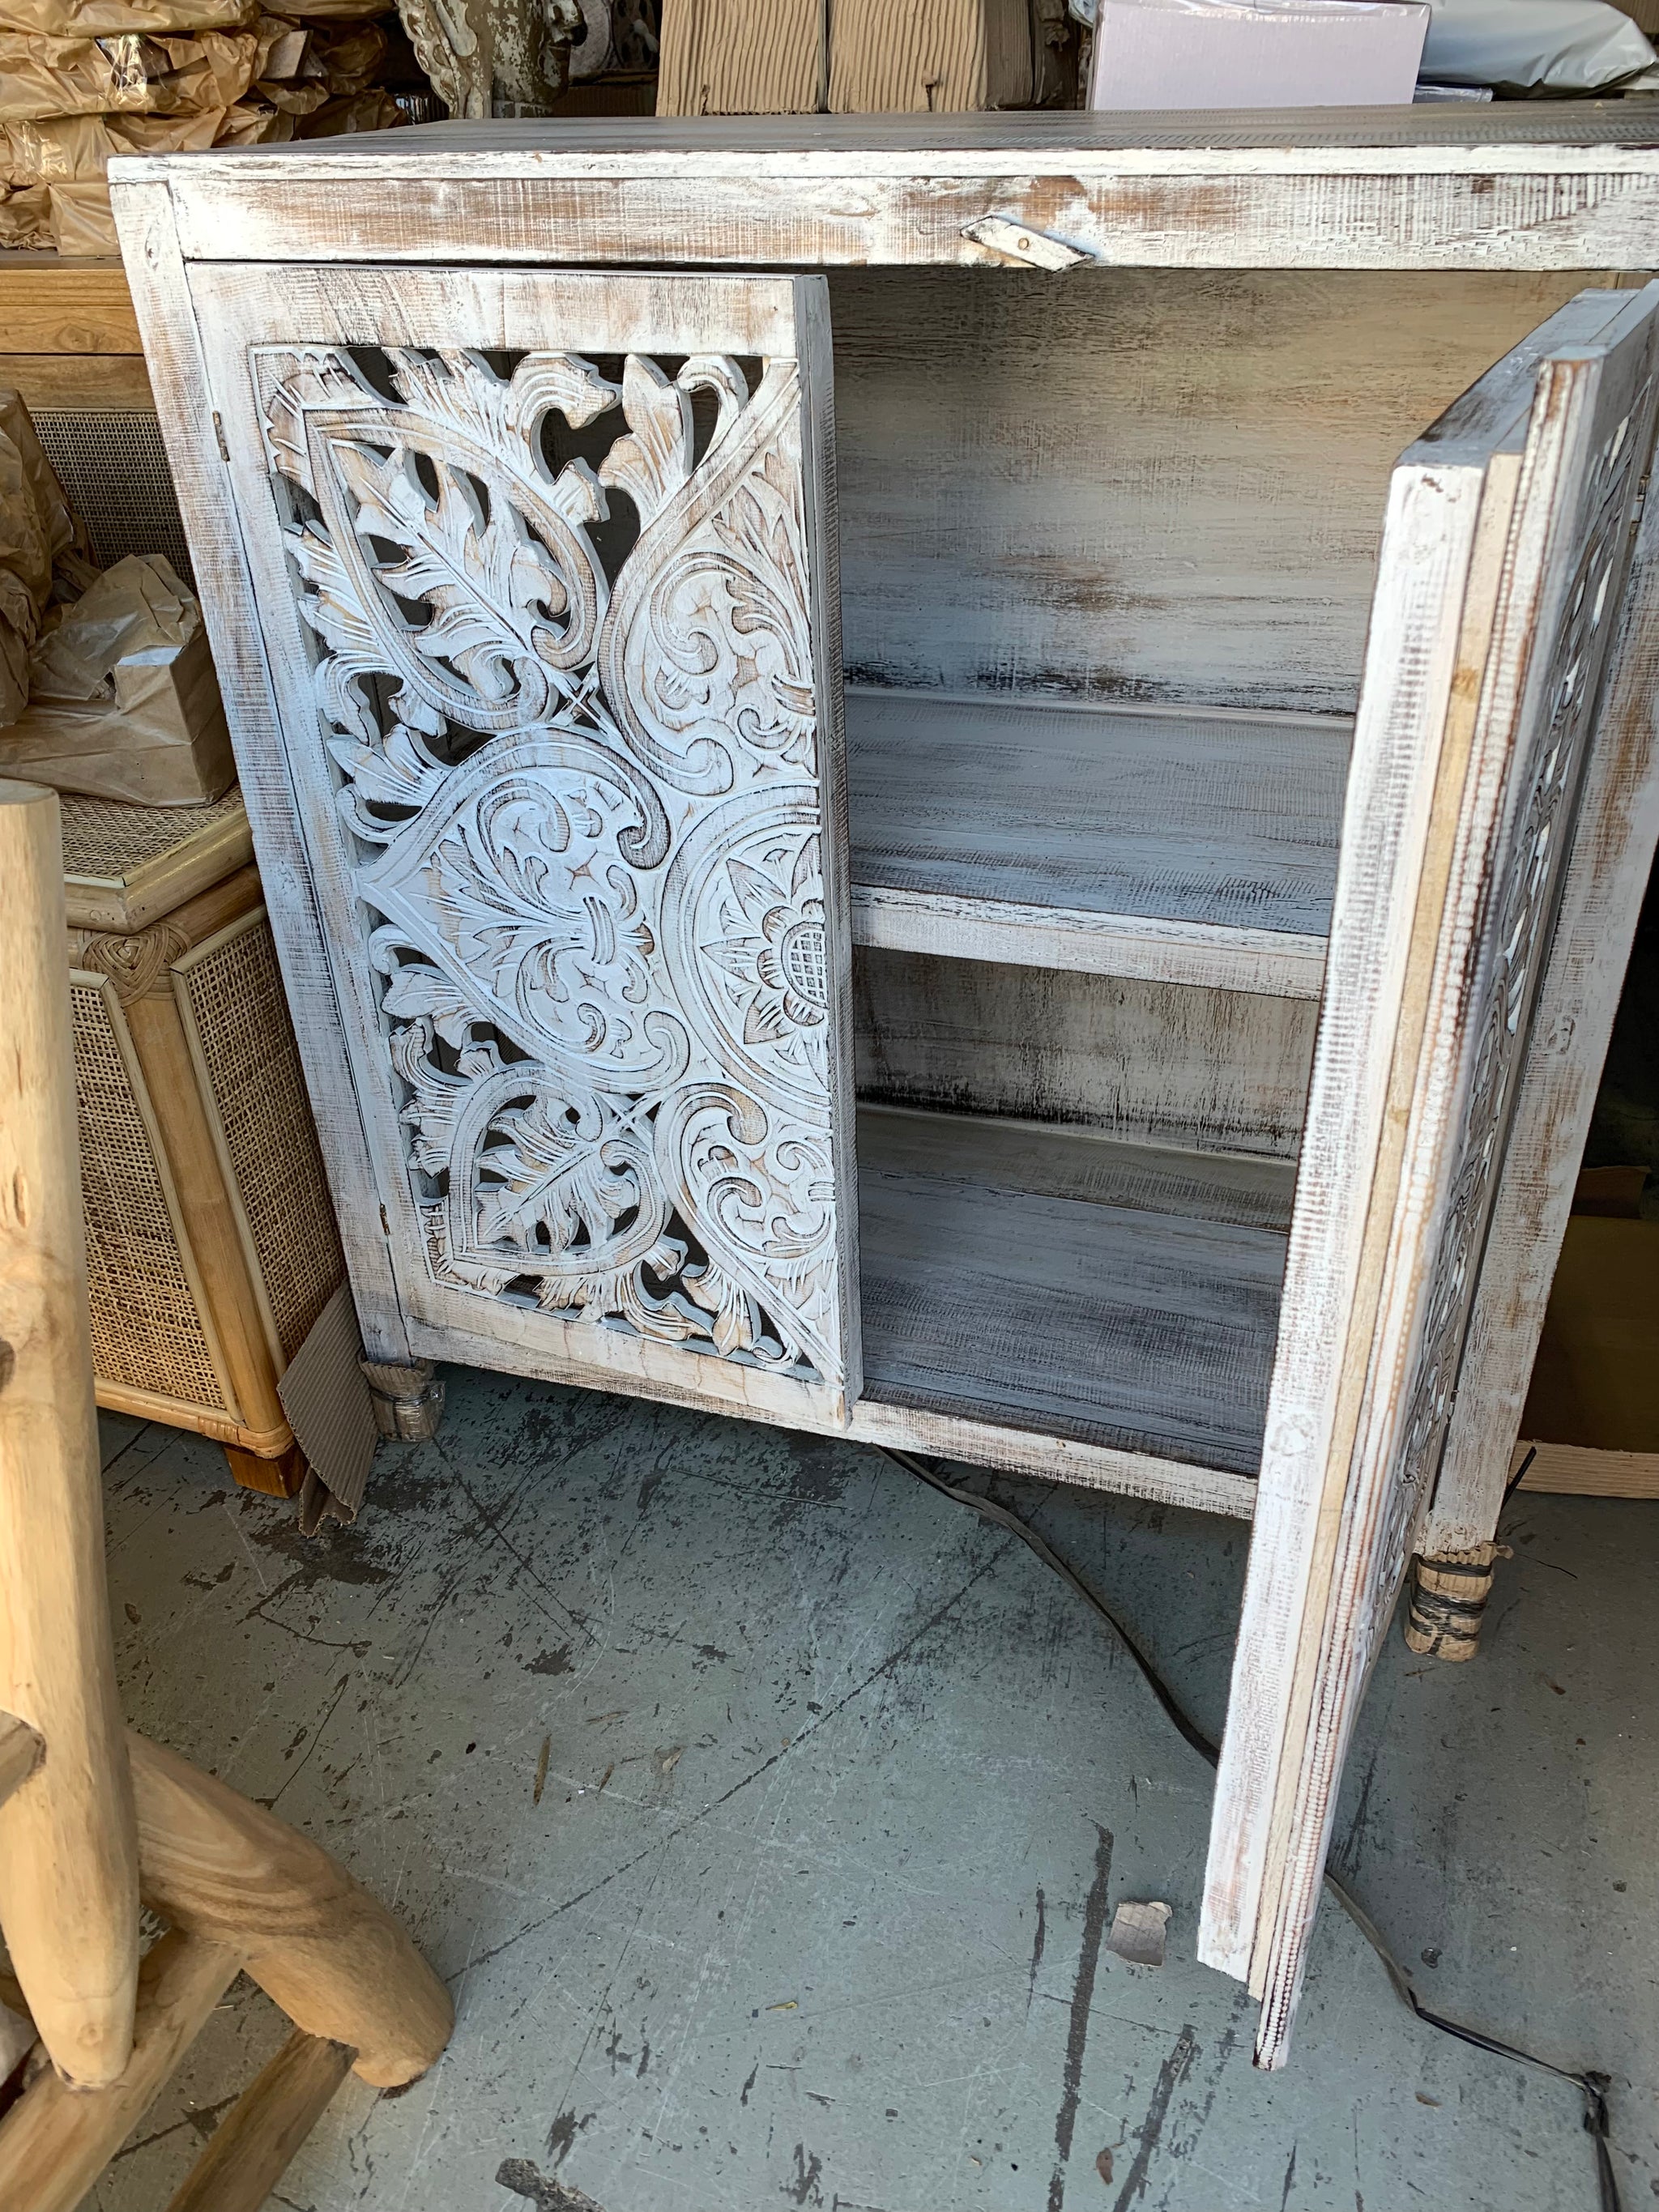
(1145, 487)
(1606, 873)
(1140, 1060)
(1167, 843)
(173, 349)
(575, 863)
(1430, 188)
(1436, 987)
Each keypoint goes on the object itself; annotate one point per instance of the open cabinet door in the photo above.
(1504, 553)
(542, 570)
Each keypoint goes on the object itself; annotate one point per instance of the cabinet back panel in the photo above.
(1128, 483)
(1151, 1063)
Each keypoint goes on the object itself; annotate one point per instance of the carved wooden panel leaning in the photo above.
(566, 687)
(1468, 769)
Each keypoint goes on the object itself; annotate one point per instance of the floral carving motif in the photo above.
(587, 813)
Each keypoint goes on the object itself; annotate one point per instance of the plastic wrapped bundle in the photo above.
(1550, 47)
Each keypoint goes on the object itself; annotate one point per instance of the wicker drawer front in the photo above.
(230, 994)
(148, 1329)
(212, 1246)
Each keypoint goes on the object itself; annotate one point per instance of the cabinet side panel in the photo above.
(173, 346)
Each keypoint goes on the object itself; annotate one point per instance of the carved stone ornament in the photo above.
(587, 816)
(496, 57)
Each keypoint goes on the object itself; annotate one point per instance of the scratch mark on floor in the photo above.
(803, 2189)
(1290, 2180)
(1174, 2071)
(1082, 1993)
(715, 1804)
(1036, 1946)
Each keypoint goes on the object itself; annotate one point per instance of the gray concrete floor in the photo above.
(840, 1783)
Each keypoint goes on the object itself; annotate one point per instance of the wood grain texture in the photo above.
(253, 2145)
(47, 380)
(1145, 485)
(1148, 1062)
(1581, 1471)
(1186, 848)
(53, 305)
(1428, 544)
(68, 1864)
(1545, 571)
(162, 298)
(1093, 1317)
(55, 2141)
(1608, 872)
(741, 57)
(654, 1060)
(930, 57)
(331, 1955)
(1376, 189)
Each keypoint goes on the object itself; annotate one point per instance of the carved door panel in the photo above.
(1503, 561)
(544, 572)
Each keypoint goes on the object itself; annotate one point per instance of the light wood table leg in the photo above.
(69, 1866)
(56, 2140)
(254, 2144)
(315, 1940)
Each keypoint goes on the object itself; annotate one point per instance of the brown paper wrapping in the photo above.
(36, 527)
(100, 19)
(374, 110)
(136, 74)
(124, 702)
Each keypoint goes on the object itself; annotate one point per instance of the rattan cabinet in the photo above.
(211, 1246)
(977, 782)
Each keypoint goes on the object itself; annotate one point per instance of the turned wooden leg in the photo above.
(329, 1954)
(68, 1868)
(282, 1477)
(1448, 1597)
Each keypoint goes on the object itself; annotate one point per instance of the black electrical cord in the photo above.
(1592, 2087)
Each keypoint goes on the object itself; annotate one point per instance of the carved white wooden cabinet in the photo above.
(1088, 952)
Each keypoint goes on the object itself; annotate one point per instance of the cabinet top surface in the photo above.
(1545, 134)
(1515, 185)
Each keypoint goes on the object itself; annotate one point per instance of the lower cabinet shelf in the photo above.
(1057, 1281)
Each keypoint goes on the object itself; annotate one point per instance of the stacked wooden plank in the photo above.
(80, 80)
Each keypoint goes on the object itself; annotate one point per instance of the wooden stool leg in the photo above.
(56, 2141)
(329, 1954)
(254, 2146)
(1448, 1599)
(69, 1866)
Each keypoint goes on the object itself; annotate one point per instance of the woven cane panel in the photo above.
(146, 1332)
(114, 466)
(107, 837)
(253, 1067)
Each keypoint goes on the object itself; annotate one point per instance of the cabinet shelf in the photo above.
(1187, 846)
(1118, 1294)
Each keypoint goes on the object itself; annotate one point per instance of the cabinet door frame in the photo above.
(1503, 561)
(252, 321)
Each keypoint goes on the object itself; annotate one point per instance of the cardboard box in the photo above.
(741, 57)
(1256, 53)
(856, 56)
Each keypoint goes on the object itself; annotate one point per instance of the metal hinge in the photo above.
(219, 433)
(1017, 241)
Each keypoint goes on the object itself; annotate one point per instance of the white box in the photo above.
(1256, 53)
